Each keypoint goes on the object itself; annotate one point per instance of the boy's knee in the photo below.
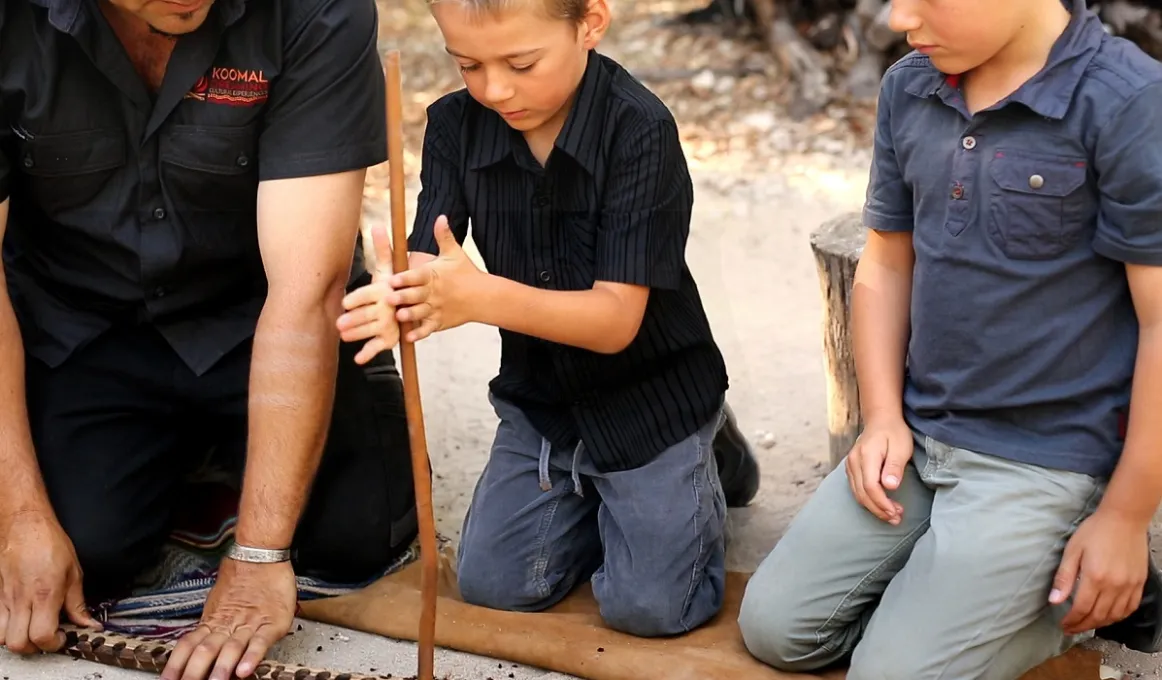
(651, 610)
(888, 664)
(772, 633)
(492, 581)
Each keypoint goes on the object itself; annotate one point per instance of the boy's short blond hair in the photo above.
(570, 10)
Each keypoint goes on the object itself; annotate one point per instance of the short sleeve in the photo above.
(441, 189)
(1128, 167)
(327, 109)
(888, 203)
(645, 213)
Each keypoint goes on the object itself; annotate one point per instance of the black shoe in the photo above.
(738, 469)
(1141, 631)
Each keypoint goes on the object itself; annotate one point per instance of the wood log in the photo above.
(837, 245)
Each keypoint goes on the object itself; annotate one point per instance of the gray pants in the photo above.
(543, 518)
(958, 590)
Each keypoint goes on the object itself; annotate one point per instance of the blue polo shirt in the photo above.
(1023, 218)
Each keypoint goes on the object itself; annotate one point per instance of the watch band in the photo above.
(243, 553)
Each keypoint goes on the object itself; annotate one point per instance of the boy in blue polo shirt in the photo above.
(1008, 335)
(615, 457)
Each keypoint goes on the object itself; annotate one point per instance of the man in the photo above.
(181, 187)
(180, 183)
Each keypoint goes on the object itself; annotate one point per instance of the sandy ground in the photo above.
(749, 252)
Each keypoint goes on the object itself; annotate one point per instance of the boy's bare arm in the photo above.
(1135, 490)
(603, 319)
(881, 300)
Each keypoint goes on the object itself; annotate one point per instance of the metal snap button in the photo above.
(1036, 181)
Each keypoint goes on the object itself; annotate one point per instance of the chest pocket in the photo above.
(210, 169)
(1040, 207)
(66, 173)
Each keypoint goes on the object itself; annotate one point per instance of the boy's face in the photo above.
(958, 35)
(520, 62)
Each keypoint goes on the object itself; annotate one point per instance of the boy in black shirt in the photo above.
(611, 387)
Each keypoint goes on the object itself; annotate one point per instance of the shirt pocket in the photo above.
(1039, 205)
(65, 173)
(210, 170)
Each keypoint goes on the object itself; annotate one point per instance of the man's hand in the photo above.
(374, 321)
(39, 574)
(435, 297)
(1104, 566)
(876, 463)
(250, 608)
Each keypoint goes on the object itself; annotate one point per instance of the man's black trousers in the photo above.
(123, 421)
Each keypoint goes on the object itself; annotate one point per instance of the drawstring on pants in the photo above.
(543, 467)
(576, 474)
(546, 448)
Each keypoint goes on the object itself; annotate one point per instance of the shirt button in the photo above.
(243, 161)
(1036, 181)
(545, 276)
(159, 292)
(540, 200)
(969, 143)
(28, 162)
(159, 214)
(958, 192)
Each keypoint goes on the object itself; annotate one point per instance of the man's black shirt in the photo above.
(129, 206)
(613, 203)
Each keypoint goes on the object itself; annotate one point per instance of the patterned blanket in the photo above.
(167, 599)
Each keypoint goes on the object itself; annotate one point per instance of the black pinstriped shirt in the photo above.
(613, 203)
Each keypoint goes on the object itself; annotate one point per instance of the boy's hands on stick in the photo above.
(435, 293)
(369, 316)
(441, 294)
(876, 465)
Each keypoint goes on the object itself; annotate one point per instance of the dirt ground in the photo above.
(763, 183)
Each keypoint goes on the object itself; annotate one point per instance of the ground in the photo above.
(763, 183)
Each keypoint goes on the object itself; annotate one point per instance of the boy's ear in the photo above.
(595, 23)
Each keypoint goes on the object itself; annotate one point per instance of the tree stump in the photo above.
(837, 245)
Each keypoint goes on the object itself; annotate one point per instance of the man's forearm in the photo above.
(881, 300)
(594, 319)
(1135, 489)
(23, 486)
(292, 385)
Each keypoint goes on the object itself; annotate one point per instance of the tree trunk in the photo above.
(837, 245)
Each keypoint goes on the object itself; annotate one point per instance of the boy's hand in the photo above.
(1105, 563)
(439, 295)
(876, 463)
(369, 315)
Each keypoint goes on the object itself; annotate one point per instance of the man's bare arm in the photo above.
(306, 228)
(23, 488)
(881, 300)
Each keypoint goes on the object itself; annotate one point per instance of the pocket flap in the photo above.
(218, 150)
(73, 153)
(1039, 175)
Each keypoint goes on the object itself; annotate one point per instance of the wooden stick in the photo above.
(411, 387)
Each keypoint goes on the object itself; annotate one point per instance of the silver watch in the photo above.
(242, 553)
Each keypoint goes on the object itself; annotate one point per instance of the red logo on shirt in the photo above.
(231, 86)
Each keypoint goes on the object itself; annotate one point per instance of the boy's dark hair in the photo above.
(569, 10)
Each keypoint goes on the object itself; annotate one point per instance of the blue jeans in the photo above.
(651, 540)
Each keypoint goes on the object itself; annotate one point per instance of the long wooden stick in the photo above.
(411, 387)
